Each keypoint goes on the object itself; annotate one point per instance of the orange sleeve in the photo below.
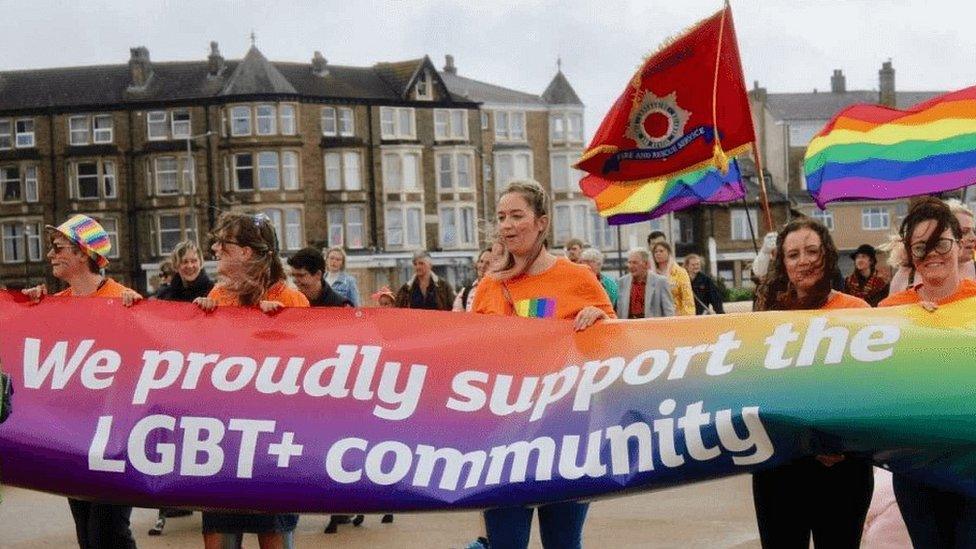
(846, 301)
(591, 292)
(489, 299)
(904, 297)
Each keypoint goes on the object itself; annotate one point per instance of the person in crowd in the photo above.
(593, 258)
(464, 299)
(967, 242)
(760, 263)
(250, 275)
(165, 277)
(642, 292)
(864, 282)
(826, 495)
(932, 237)
(654, 237)
(339, 280)
(904, 270)
(384, 297)
(187, 282)
(665, 265)
(425, 290)
(573, 248)
(308, 274)
(706, 291)
(528, 274)
(78, 253)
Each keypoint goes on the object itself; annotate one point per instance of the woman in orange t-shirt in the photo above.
(529, 281)
(825, 495)
(931, 236)
(250, 273)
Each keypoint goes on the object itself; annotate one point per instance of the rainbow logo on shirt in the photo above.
(543, 307)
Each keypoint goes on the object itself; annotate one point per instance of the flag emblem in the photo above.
(657, 122)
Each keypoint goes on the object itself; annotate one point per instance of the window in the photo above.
(484, 120)
(329, 124)
(268, 179)
(22, 241)
(740, 224)
(173, 228)
(564, 176)
(424, 87)
(557, 128)
(10, 184)
(343, 171)
(824, 216)
(566, 127)
(510, 125)
(157, 123)
(510, 166)
(240, 121)
(602, 235)
(25, 133)
(450, 124)
(288, 226)
(404, 226)
(457, 227)
(267, 119)
(346, 226)
(346, 121)
(274, 170)
(170, 175)
(454, 170)
(575, 133)
(397, 123)
(167, 176)
(401, 171)
(874, 219)
(30, 184)
(92, 179)
(85, 129)
(78, 130)
(287, 115)
(181, 127)
(571, 221)
(6, 134)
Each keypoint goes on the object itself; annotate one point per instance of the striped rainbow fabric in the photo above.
(871, 151)
(623, 202)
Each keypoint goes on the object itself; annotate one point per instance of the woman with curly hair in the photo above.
(250, 274)
(826, 495)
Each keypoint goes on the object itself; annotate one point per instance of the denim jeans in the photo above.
(560, 524)
(935, 518)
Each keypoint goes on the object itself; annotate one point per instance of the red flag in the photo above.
(665, 122)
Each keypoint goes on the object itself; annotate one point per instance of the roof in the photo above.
(824, 105)
(559, 92)
(92, 87)
(483, 92)
(255, 75)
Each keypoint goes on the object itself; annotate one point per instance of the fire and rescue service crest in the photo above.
(657, 122)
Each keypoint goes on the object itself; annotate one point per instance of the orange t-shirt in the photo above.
(560, 292)
(967, 288)
(840, 300)
(279, 291)
(109, 288)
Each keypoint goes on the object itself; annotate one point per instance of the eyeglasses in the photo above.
(942, 246)
(222, 242)
(55, 249)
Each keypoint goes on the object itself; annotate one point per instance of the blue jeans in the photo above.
(935, 518)
(560, 524)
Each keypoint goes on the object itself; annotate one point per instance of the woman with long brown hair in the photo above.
(529, 281)
(250, 274)
(825, 495)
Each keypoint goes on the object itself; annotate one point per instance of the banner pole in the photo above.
(762, 187)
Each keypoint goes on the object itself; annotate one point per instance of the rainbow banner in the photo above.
(871, 151)
(379, 410)
(623, 202)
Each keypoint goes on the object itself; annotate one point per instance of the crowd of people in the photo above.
(825, 496)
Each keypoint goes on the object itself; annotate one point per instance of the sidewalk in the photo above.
(716, 514)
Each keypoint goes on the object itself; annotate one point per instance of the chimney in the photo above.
(449, 64)
(140, 68)
(886, 81)
(319, 64)
(838, 84)
(757, 93)
(215, 64)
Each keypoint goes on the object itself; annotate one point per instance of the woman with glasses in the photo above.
(825, 495)
(931, 234)
(250, 274)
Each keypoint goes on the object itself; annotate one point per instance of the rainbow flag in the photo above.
(871, 151)
(623, 202)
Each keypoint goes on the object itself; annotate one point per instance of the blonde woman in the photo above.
(664, 264)
(342, 282)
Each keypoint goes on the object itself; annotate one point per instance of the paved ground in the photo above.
(714, 515)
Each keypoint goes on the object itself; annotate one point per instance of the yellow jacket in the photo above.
(684, 297)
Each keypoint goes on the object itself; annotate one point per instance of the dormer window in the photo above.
(424, 88)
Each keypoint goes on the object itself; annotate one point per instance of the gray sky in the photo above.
(787, 45)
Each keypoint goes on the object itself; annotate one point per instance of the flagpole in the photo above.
(762, 187)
